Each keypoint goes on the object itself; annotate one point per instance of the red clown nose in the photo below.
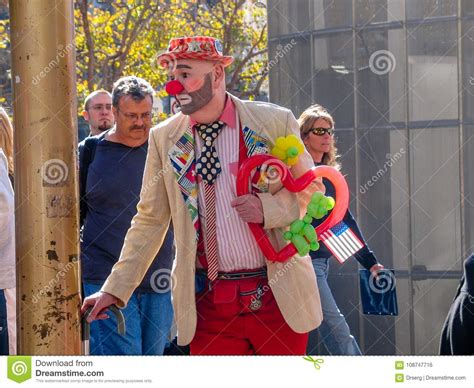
(174, 87)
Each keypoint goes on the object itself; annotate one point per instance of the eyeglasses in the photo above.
(134, 117)
(322, 131)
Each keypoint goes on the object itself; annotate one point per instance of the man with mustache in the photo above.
(228, 298)
(111, 169)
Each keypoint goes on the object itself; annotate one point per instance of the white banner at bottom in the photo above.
(235, 371)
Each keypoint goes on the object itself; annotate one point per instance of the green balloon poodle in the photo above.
(302, 234)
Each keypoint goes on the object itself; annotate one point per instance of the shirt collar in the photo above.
(227, 116)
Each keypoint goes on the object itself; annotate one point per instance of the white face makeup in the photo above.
(184, 99)
(196, 78)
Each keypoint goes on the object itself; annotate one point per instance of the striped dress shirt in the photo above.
(236, 246)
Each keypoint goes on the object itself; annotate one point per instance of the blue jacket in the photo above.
(364, 256)
(114, 181)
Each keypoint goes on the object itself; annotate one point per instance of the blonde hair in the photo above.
(306, 122)
(6, 138)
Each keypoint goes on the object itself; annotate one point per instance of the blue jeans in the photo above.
(334, 331)
(148, 319)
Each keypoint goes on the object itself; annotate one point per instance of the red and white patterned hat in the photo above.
(194, 47)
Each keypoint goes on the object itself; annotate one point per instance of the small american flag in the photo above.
(341, 241)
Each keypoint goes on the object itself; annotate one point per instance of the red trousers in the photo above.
(241, 317)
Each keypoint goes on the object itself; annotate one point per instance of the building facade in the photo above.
(398, 77)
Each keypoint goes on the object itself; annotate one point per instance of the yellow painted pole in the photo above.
(46, 194)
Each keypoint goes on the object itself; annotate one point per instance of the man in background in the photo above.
(98, 112)
(113, 166)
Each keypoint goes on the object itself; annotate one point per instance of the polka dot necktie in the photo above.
(208, 167)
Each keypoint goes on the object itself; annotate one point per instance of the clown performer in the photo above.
(228, 299)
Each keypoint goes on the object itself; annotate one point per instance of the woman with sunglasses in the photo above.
(317, 129)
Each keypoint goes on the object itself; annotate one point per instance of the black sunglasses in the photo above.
(322, 131)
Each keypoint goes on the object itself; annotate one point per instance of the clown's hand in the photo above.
(249, 207)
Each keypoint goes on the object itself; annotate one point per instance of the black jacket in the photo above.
(458, 331)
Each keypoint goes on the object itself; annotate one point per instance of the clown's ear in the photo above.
(218, 74)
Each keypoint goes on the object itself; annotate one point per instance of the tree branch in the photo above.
(89, 44)
(247, 58)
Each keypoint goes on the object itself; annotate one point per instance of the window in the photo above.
(468, 148)
(423, 9)
(376, 11)
(381, 77)
(333, 76)
(384, 194)
(431, 301)
(287, 17)
(467, 7)
(468, 70)
(433, 72)
(295, 73)
(435, 198)
(330, 13)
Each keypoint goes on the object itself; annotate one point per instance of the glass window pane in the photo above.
(468, 145)
(295, 75)
(402, 322)
(431, 301)
(379, 335)
(274, 79)
(468, 69)
(381, 76)
(345, 143)
(383, 195)
(467, 7)
(333, 77)
(433, 72)
(376, 11)
(288, 16)
(330, 13)
(435, 198)
(344, 282)
(422, 9)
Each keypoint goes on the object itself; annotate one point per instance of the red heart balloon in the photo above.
(293, 185)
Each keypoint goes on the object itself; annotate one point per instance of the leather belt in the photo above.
(235, 275)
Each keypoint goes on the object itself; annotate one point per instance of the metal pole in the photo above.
(45, 120)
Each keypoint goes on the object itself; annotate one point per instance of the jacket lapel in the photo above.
(183, 161)
(182, 157)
